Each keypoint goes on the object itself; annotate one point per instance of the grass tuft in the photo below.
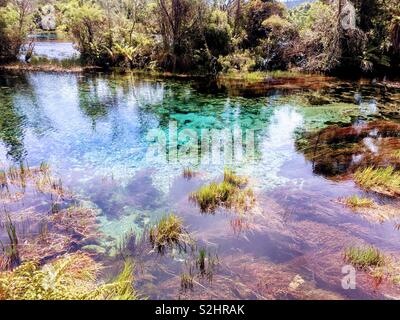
(10, 250)
(359, 202)
(168, 233)
(396, 154)
(364, 257)
(232, 178)
(73, 277)
(229, 193)
(381, 180)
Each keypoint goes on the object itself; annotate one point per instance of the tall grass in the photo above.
(359, 202)
(396, 154)
(10, 250)
(73, 277)
(381, 180)
(229, 193)
(169, 233)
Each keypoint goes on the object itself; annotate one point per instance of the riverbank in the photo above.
(58, 68)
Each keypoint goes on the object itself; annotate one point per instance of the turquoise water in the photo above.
(97, 133)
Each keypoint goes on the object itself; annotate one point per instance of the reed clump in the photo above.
(10, 252)
(381, 180)
(230, 193)
(73, 277)
(396, 154)
(356, 202)
(364, 257)
(169, 233)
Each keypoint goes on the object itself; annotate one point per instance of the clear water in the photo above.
(49, 46)
(93, 131)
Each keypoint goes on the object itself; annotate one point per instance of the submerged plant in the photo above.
(359, 202)
(186, 281)
(188, 173)
(228, 193)
(72, 277)
(10, 251)
(232, 178)
(364, 257)
(206, 263)
(396, 154)
(169, 232)
(381, 180)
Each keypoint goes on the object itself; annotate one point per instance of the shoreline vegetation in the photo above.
(241, 40)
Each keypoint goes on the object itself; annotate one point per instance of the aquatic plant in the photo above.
(73, 277)
(381, 180)
(396, 154)
(3, 180)
(168, 232)
(10, 251)
(228, 193)
(206, 263)
(213, 195)
(201, 260)
(186, 281)
(364, 257)
(232, 178)
(359, 202)
(188, 173)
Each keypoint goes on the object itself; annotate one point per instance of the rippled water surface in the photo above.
(96, 131)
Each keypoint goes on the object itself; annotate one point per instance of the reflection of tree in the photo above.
(93, 104)
(11, 121)
(11, 130)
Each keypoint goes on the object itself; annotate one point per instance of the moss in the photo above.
(364, 257)
(380, 180)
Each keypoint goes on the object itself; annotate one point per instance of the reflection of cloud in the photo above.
(370, 144)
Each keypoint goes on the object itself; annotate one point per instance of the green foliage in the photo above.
(15, 22)
(381, 180)
(87, 23)
(202, 37)
(364, 257)
(72, 277)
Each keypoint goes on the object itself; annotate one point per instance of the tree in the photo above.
(15, 22)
